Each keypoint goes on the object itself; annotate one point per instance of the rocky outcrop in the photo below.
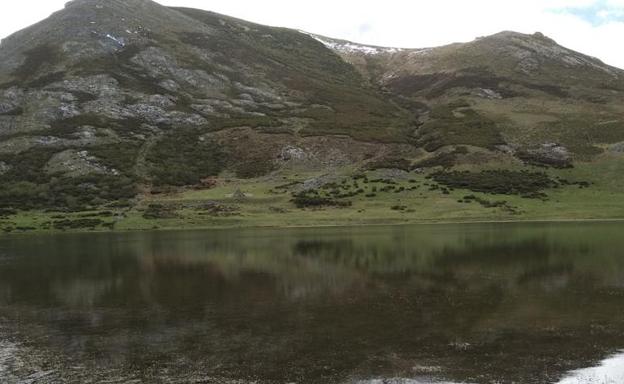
(4, 168)
(549, 154)
(73, 163)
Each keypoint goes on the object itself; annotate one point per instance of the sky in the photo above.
(593, 27)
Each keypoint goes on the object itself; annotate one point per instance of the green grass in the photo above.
(420, 201)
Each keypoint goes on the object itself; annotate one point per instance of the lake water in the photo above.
(486, 303)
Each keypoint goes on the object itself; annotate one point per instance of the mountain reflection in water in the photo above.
(523, 303)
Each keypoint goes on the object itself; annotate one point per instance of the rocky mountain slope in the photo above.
(108, 100)
(523, 94)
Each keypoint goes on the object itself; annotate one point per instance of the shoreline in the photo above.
(311, 226)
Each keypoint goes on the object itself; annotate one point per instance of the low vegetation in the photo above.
(305, 201)
(458, 124)
(27, 186)
(64, 225)
(371, 197)
(444, 159)
(181, 158)
(501, 182)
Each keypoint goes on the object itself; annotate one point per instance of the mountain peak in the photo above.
(541, 36)
(510, 52)
(112, 4)
(510, 36)
(95, 27)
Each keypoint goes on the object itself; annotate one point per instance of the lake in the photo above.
(482, 303)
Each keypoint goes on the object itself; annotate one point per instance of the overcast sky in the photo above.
(594, 27)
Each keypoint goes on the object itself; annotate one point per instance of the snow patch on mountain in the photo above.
(349, 47)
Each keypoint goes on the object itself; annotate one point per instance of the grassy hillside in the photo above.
(116, 114)
(374, 197)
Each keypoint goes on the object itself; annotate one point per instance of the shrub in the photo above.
(180, 159)
(303, 201)
(77, 224)
(527, 184)
(158, 211)
(390, 163)
(398, 208)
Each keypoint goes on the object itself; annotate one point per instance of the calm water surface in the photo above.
(514, 303)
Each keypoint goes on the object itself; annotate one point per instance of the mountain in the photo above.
(111, 102)
(132, 89)
(518, 92)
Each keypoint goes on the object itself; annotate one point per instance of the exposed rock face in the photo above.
(72, 163)
(549, 154)
(84, 136)
(4, 168)
(536, 48)
(291, 153)
(318, 182)
(488, 94)
(617, 148)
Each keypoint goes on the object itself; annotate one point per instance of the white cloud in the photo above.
(416, 23)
